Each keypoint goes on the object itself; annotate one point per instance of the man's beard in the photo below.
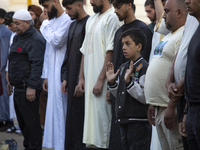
(123, 18)
(53, 13)
(153, 19)
(97, 9)
(168, 26)
(75, 16)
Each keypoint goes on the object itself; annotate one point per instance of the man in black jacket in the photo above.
(24, 71)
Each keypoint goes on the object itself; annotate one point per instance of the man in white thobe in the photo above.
(54, 28)
(97, 52)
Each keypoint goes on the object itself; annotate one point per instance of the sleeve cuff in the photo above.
(44, 23)
(112, 85)
(129, 84)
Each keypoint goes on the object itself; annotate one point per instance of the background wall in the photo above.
(13, 5)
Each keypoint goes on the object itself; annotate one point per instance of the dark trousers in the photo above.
(180, 109)
(29, 120)
(193, 126)
(135, 136)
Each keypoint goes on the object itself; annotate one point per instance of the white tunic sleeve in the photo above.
(112, 25)
(45, 65)
(56, 38)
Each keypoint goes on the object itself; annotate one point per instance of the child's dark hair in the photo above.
(2, 13)
(116, 3)
(137, 35)
(69, 2)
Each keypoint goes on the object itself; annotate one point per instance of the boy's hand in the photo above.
(128, 73)
(111, 76)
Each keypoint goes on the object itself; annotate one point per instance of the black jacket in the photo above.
(130, 104)
(26, 60)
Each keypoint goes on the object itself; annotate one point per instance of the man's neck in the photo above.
(105, 8)
(180, 24)
(130, 17)
(60, 11)
(82, 14)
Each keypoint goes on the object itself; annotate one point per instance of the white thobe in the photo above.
(100, 31)
(157, 37)
(11, 98)
(55, 33)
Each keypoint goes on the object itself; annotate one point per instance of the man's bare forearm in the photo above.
(159, 8)
(180, 85)
(170, 78)
(81, 72)
(108, 58)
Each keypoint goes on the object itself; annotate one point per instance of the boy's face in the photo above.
(121, 11)
(130, 49)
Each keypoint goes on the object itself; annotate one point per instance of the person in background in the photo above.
(70, 75)
(125, 10)
(151, 13)
(192, 83)
(127, 85)
(35, 12)
(5, 34)
(10, 24)
(97, 52)
(155, 88)
(54, 28)
(24, 73)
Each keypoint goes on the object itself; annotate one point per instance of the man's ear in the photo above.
(129, 6)
(55, 2)
(80, 5)
(179, 13)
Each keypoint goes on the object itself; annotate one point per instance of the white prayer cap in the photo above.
(22, 14)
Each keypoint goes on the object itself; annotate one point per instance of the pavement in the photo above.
(17, 137)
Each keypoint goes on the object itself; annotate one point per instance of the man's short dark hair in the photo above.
(2, 13)
(149, 2)
(42, 1)
(121, 2)
(137, 35)
(69, 2)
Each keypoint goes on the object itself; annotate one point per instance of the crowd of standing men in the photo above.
(93, 82)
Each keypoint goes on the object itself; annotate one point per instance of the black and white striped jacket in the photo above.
(130, 105)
